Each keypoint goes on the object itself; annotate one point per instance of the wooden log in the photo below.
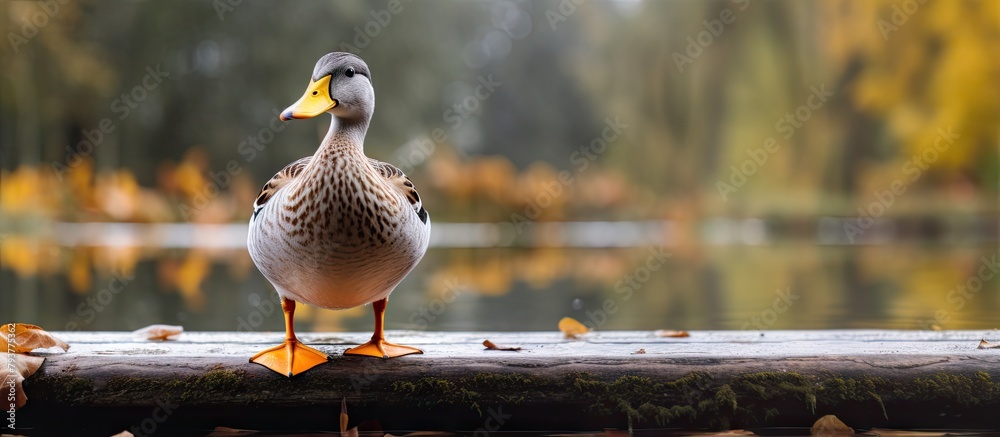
(109, 382)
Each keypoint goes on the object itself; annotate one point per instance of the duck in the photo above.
(337, 229)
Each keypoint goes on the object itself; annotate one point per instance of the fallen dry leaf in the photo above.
(493, 347)
(21, 338)
(28, 338)
(159, 332)
(830, 426)
(344, 432)
(674, 334)
(343, 414)
(572, 328)
(983, 344)
(26, 366)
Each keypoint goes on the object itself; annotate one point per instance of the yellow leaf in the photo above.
(493, 347)
(572, 328)
(159, 332)
(675, 334)
(983, 344)
(830, 426)
(343, 415)
(27, 338)
(344, 432)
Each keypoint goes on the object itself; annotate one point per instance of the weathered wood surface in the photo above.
(720, 379)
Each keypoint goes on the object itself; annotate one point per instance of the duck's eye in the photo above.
(349, 72)
(315, 93)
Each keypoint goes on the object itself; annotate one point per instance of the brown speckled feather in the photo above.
(277, 181)
(398, 179)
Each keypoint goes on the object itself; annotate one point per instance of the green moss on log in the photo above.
(979, 389)
(190, 389)
(430, 392)
(835, 391)
(66, 388)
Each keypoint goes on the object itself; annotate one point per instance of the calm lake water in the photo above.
(694, 285)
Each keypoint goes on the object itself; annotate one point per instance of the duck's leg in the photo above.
(378, 347)
(291, 357)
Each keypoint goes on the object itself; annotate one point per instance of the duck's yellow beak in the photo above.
(315, 101)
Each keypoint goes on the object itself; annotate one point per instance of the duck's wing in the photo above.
(401, 182)
(280, 179)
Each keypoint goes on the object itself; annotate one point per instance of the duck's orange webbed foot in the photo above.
(289, 358)
(377, 347)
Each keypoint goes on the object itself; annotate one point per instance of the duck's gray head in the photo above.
(341, 85)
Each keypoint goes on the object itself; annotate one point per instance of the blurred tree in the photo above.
(698, 89)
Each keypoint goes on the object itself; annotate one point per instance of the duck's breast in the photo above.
(336, 243)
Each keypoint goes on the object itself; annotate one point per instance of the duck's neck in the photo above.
(340, 156)
(345, 134)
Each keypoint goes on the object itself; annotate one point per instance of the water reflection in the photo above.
(680, 285)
